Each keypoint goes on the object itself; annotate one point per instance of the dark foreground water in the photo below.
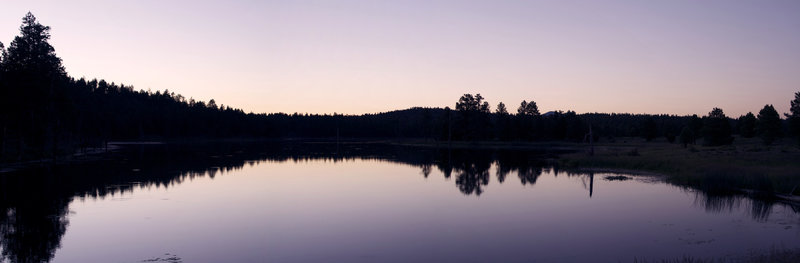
(366, 203)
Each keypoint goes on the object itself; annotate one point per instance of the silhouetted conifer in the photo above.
(747, 125)
(717, 129)
(501, 109)
(793, 117)
(473, 118)
(528, 108)
(768, 124)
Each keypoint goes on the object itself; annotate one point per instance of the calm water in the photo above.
(365, 203)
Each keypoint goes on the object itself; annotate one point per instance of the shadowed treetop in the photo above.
(30, 51)
(747, 125)
(716, 113)
(794, 109)
(528, 108)
(472, 103)
(794, 117)
(501, 109)
(717, 129)
(768, 124)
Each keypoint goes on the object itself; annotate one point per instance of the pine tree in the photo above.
(501, 109)
(717, 129)
(30, 52)
(768, 124)
(33, 81)
(747, 125)
(794, 117)
(528, 108)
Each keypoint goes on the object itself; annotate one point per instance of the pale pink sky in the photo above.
(678, 57)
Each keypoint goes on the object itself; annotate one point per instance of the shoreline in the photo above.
(729, 168)
(87, 155)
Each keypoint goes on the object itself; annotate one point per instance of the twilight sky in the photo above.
(677, 57)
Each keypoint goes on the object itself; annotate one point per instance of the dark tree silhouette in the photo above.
(501, 109)
(503, 123)
(696, 124)
(4, 116)
(31, 52)
(630, 125)
(34, 101)
(768, 124)
(649, 129)
(717, 129)
(471, 178)
(793, 117)
(473, 118)
(528, 108)
(575, 128)
(747, 125)
(31, 229)
(472, 103)
(686, 137)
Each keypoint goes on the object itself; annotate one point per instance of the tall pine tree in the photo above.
(768, 124)
(33, 77)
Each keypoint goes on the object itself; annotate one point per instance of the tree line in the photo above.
(475, 121)
(45, 113)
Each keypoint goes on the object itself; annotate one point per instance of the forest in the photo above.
(45, 113)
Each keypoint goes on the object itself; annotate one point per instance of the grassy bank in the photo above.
(746, 165)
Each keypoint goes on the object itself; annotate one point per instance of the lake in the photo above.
(323, 202)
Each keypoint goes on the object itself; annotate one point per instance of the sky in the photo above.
(355, 57)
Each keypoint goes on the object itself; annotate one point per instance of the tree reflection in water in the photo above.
(34, 202)
(33, 218)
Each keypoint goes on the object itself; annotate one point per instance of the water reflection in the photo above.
(34, 203)
(759, 208)
(32, 219)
